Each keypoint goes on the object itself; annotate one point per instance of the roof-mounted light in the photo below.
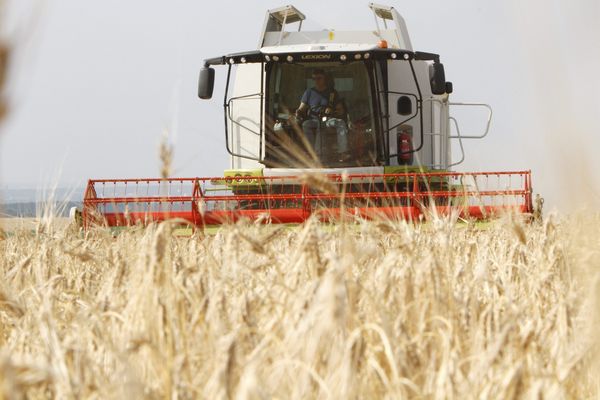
(357, 56)
(343, 57)
(231, 61)
(382, 44)
(367, 56)
(276, 58)
(290, 58)
(267, 58)
(393, 56)
(406, 56)
(243, 59)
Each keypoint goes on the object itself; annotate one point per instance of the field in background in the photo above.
(11, 225)
(382, 309)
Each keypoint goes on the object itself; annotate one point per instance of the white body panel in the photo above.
(435, 150)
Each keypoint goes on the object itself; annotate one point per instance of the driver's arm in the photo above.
(303, 108)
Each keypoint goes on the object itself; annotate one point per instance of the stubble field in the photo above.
(366, 310)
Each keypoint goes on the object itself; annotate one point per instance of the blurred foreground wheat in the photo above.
(4, 58)
(374, 310)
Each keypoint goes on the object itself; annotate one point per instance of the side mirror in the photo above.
(404, 105)
(206, 83)
(437, 78)
(449, 87)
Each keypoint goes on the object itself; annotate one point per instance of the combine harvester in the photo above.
(327, 123)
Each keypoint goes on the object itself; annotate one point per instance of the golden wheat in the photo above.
(371, 310)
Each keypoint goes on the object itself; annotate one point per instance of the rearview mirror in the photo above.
(437, 78)
(206, 83)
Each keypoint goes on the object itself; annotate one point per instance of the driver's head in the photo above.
(320, 79)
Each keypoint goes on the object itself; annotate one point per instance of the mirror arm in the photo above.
(423, 56)
(214, 61)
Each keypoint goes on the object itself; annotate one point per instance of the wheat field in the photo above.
(365, 310)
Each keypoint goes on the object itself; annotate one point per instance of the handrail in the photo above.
(253, 96)
(488, 124)
(462, 149)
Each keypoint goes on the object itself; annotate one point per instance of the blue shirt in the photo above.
(315, 100)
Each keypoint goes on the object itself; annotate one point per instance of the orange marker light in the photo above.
(382, 44)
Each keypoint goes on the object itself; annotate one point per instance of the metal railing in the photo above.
(294, 199)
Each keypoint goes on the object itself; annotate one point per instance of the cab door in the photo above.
(244, 117)
(404, 116)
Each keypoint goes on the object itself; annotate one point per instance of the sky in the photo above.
(96, 84)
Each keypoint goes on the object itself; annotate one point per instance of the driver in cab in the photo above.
(321, 103)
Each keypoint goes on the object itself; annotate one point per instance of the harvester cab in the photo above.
(332, 123)
(358, 101)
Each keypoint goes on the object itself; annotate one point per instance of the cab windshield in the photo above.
(321, 111)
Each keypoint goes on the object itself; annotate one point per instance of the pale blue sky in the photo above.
(100, 81)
